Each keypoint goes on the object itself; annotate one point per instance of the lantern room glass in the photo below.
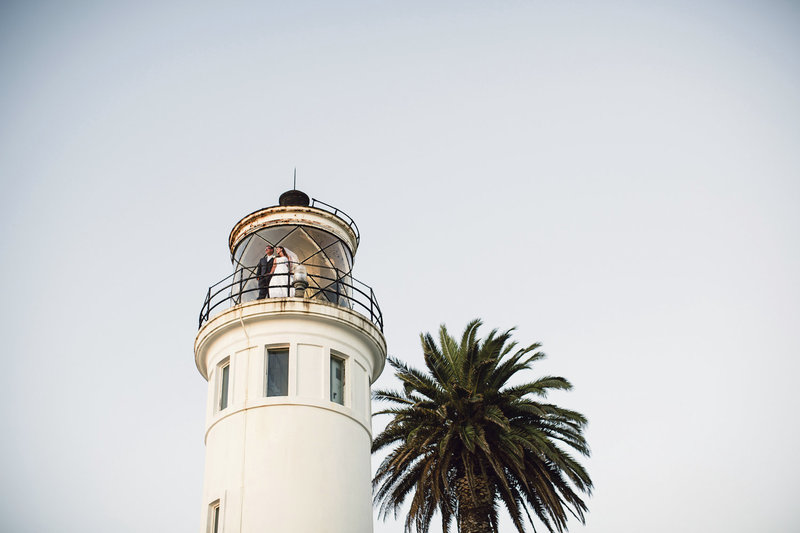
(327, 261)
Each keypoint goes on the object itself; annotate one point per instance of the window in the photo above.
(213, 518)
(337, 380)
(277, 371)
(223, 375)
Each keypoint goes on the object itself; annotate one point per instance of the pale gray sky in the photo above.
(618, 180)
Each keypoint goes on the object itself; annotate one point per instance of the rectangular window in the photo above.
(337, 380)
(278, 372)
(224, 377)
(213, 518)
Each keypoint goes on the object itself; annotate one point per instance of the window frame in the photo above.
(343, 360)
(275, 349)
(223, 385)
(214, 524)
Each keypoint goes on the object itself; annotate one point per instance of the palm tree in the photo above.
(464, 438)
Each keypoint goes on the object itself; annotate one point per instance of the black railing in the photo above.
(242, 287)
(339, 213)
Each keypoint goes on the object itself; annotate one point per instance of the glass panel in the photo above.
(325, 257)
(300, 243)
(338, 255)
(238, 282)
(254, 247)
(253, 251)
(216, 519)
(333, 292)
(223, 388)
(237, 256)
(322, 237)
(337, 380)
(278, 372)
(346, 292)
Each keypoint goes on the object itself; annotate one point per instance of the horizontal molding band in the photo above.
(277, 402)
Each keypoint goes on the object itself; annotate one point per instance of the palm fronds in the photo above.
(462, 439)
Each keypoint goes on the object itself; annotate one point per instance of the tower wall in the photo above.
(297, 462)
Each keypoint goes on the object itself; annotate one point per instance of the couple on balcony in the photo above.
(274, 272)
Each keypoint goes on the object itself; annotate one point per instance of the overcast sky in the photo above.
(620, 180)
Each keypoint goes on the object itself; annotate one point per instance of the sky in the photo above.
(618, 180)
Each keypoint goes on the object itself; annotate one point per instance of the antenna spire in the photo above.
(295, 179)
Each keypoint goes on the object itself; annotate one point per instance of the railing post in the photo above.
(204, 312)
(371, 300)
(238, 298)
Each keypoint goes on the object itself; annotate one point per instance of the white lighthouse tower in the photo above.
(288, 421)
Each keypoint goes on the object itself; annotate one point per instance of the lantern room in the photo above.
(319, 242)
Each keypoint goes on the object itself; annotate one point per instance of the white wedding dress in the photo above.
(279, 284)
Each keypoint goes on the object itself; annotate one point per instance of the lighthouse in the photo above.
(290, 343)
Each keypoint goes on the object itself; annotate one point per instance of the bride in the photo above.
(283, 265)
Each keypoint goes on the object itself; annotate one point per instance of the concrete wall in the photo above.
(297, 463)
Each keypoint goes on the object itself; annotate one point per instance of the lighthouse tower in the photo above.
(288, 429)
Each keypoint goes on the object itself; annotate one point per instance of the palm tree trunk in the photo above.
(474, 506)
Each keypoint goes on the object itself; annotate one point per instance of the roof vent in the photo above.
(294, 197)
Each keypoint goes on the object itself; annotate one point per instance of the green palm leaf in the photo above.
(463, 440)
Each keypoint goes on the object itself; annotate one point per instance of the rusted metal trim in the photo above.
(293, 215)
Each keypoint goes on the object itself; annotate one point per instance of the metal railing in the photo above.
(242, 287)
(339, 213)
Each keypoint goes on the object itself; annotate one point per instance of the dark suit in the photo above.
(263, 276)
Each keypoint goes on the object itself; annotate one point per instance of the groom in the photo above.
(263, 272)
